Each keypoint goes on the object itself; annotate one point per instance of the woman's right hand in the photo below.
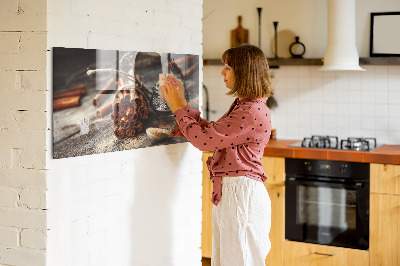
(181, 90)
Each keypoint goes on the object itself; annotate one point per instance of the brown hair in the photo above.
(250, 66)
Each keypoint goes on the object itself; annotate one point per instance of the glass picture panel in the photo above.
(109, 100)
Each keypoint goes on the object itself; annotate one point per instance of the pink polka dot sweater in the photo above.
(238, 139)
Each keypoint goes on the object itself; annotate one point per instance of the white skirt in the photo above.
(241, 223)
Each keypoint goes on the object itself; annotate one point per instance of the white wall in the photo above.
(23, 133)
(311, 102)
(305, 18)
(135, 207)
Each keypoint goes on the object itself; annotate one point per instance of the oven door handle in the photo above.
(357, 185)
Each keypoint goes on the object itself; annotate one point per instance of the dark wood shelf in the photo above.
(274, 63)
(380, 61)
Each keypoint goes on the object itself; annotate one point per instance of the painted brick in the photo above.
(169, 19)
(145, 31)
(107, 41)
(196, 10)
(33, 239)
(79, 41)
(8, 197)
(190, 47)
(23, 178)
(23, 100)
(7, 81)
(16, 158)
(140, 44)
(33, 159)
(31, 55)
(5, 158)
(98, 222)
(10, 42)
(23, 139)
(12, 21)
(33, 199)
(195, 37)
(148, 7)
(36, 7)
(23, 218)
(16, 256)
(8, 237)
(191, 23)
(164, 46)
(31, 80)
(8, 6)
(35, 120)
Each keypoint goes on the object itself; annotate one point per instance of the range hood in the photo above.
(341, 51)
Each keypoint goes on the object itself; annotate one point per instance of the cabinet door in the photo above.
(206, 232)
(277, 233)
(385, 178)
(305, 254)
(384, 236)
(274, 168)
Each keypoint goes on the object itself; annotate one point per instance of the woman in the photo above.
(242, 207)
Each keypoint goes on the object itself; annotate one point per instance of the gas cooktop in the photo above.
(332, 142)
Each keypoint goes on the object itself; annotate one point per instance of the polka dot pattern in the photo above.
(238, 139)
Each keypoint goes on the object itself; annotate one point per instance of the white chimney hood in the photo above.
(341, 51)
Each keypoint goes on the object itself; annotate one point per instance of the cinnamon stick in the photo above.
(181, 61)
(69, 92)
(66, 102)
(105, 110)
(106, 88)
(119, 133)
(190, 70)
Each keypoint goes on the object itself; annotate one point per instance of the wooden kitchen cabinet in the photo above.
(206, 225)
(385, 178)
(306, 254)
(277, 233)
(384, 236)
(274, 168)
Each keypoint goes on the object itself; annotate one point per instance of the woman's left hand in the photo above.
(170, 91)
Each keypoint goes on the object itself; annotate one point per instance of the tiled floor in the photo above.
(206, 261)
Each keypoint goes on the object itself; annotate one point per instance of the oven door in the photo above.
(327, 213)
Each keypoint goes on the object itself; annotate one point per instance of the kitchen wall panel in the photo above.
(310, 101)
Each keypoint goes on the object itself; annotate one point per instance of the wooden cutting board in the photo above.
(239, 35)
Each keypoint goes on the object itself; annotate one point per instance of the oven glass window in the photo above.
(327, 207)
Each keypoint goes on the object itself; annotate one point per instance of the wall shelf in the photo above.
(274, 63)
(380, 61)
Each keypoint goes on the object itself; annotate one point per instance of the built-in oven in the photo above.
(327, 202)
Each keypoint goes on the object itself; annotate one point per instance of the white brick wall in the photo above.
(23, 132)
(136, 207)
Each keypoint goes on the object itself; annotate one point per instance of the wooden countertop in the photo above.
(389, 154)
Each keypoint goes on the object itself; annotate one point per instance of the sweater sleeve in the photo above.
(231, 130)
(193, 113)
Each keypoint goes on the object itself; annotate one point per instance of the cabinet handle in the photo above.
(325, 254)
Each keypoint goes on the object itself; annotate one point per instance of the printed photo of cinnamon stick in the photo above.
(105, 110)
(66, 102)
(190, 70)
(182, 62)
(99, 99)
(69, 92)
